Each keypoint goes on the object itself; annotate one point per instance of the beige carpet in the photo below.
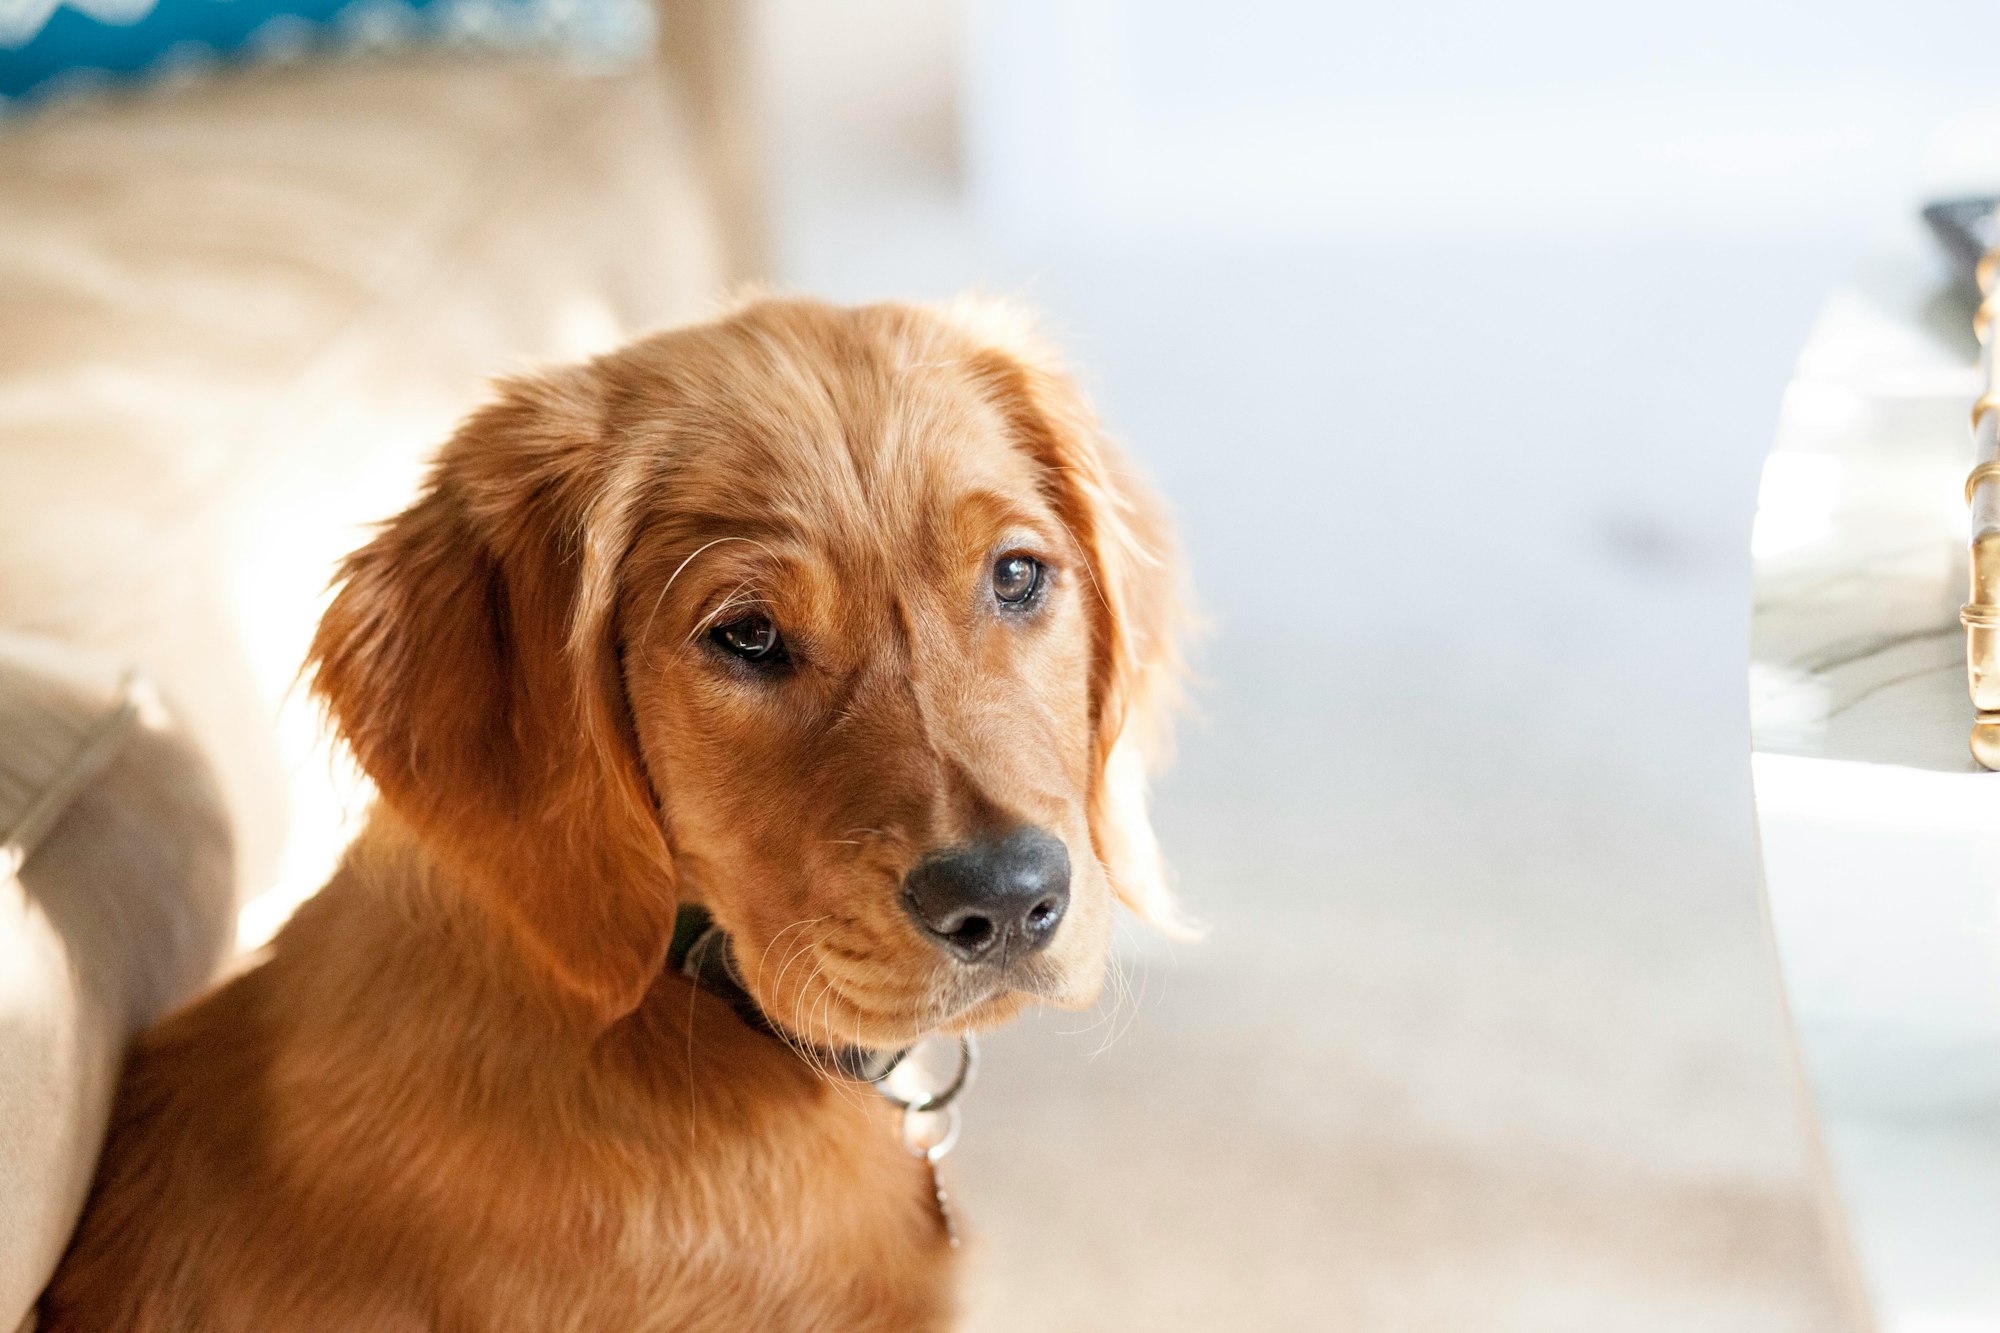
(1427, 1073)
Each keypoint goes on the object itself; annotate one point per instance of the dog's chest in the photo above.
(793, 1212)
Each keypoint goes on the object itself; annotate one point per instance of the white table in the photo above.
(1881, 837)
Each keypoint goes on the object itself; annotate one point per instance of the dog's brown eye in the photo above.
(1016, 579)
(753, 638)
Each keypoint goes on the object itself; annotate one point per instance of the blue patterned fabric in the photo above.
(48, 47)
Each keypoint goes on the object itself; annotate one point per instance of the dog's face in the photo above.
(858, 647)
(844, 623)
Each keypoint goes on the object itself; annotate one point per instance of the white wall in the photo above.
(1289, 118)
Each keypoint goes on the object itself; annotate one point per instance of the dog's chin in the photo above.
(970, 1005)
(1064, 978)
(995, 1011)
(1064, 989)
(982, 1015)
(1074, 993)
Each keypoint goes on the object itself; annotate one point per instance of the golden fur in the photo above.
(462, 1092)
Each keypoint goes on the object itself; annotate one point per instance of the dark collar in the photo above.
(701, 952)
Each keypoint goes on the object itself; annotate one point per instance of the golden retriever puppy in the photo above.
(845, 625)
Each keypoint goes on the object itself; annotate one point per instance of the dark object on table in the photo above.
(1967, 228)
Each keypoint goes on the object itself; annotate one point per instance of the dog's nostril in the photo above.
(974, 933)
(1043, 914)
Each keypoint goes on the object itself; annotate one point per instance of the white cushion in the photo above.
(123, 907)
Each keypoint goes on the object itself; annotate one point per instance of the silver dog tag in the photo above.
(927, 1089)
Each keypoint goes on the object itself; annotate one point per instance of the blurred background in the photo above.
(1455, 333)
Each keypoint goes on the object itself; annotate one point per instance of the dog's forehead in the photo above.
(838, 419)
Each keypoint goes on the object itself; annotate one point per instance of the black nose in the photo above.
(993, 899)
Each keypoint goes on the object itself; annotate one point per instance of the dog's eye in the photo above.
(753, 638)
(1016, 579)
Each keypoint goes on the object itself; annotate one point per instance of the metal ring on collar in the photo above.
(968, 1060)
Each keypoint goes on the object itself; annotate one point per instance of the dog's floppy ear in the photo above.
(469, 659)
(1136, 597)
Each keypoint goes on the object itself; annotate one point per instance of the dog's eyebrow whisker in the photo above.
(1089, 568)
(733, 601)
(1113, 498)
(734, 598)
(745, 593)
(661, 596)
(707, 546)
(715, 618)
(664, 587)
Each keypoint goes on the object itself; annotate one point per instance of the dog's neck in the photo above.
(701, 952)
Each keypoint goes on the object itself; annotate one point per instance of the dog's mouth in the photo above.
(832, 1002)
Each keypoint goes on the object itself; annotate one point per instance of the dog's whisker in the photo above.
(1128, 1003)
(821, 1015)
(742, 595)
(665, 587)
(764, 959)
(806, 1017)
(1110, 1021)
(732, 600)
(1116, 1017)
(802, 948)
(793, 1032)
(693, 992)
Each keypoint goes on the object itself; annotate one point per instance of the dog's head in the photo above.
(845, 623)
